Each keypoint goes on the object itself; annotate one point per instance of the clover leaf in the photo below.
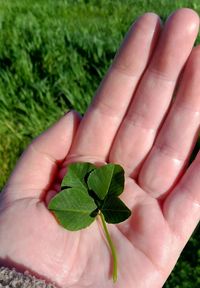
(108, 179)
(73, 208)
(114, 210)
(89, 192)
(76, 174)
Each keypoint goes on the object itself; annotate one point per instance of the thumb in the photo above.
(38, 165)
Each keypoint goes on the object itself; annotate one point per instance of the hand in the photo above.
(131, 121)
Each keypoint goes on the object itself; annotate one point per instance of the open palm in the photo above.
(134, 121)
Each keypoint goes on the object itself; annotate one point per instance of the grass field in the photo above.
(53, 55)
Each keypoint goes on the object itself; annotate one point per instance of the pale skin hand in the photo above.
(132, 123)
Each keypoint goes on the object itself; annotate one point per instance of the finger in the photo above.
(105, 114)
(38, 165)
(178, 135)
(182, 206)
(153, 96)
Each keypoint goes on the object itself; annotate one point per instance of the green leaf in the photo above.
(73, 208)
(76, 173)
(108, 179)
(114, 210)
(117, 184)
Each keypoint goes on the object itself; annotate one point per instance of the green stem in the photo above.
(112, 247)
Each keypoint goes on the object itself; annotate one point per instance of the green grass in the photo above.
(53, 55)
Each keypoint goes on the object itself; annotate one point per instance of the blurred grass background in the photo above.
(53, 55)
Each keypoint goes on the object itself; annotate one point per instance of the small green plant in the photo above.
(88, 192)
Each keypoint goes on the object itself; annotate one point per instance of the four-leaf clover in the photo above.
(88, 191)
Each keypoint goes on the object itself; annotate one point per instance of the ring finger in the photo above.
(177, 136)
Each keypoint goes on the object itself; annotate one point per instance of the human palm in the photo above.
(131, 121)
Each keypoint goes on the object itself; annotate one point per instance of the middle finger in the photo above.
(153, 96)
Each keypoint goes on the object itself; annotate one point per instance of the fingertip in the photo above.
(187, 15)
(187, 11)
(149, 19)
(73, 115)
(151, 16)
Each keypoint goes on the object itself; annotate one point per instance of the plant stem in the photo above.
(112, 247)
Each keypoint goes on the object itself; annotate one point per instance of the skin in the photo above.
(134, 122)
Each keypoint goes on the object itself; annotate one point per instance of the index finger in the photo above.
(103, 118)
